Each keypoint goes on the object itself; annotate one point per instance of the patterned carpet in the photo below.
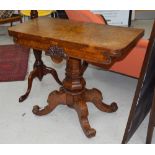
(13, 62)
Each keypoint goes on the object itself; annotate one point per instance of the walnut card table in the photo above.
(76, 42)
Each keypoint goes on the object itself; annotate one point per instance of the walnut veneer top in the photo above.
(78, 39)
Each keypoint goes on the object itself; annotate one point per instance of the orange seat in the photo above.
(84, 16)
(131, 65)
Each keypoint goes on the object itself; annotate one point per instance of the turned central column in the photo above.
(74, 81)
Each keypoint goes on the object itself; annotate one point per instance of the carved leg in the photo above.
(95, 96)
(48, 70)
(55, 98)
(82, 111)
(39, 70)
(32, 75)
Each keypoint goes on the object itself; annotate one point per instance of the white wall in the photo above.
(115, 17)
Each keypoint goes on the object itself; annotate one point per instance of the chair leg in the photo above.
(151, 122)
(149, 134)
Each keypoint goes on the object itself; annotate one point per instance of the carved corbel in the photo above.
(56, 53)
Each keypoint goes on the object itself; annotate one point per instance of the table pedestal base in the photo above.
(77, 102)
(39, 70)
(75, 95)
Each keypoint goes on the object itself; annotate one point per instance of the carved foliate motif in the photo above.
(56, 51)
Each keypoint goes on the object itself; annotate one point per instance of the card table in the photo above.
(77, 43)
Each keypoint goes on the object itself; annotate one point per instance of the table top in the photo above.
(78, 39)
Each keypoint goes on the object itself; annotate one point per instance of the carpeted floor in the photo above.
(13, 62)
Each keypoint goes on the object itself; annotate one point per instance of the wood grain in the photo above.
(78, 39)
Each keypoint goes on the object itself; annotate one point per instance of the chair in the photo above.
(85, 16)
(61, 14)
(40, 12)
(7, 16)
(131, 65)
(133, 60)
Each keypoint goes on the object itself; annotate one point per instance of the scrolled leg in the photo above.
(82, 111)
(32, 75)
(55, 98)
(38, 111)
(95, 96)
(39, 72)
